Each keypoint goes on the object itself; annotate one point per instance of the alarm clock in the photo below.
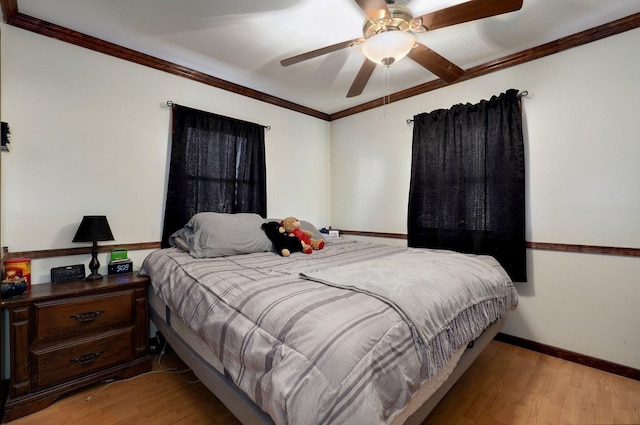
(120, 267)
(67, 273)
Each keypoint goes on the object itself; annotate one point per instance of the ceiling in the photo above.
(243, 41)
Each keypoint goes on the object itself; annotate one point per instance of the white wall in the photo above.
(90, 136)
(583, 187)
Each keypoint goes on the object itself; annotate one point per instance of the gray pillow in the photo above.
(305, 225)
(210, 234)
(177, 240)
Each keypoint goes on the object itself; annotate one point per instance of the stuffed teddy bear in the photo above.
(283, 243)
(292, 227)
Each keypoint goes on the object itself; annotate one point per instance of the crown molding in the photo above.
(15, 18)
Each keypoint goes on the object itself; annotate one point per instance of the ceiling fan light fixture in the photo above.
(388, 47)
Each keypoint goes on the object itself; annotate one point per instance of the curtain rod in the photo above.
(170, 104)
(522, 94)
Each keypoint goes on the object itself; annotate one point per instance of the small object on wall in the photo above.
(67, 273)
(18, 268)
(5, 140)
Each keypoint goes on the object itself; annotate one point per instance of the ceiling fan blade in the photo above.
(464, 12)
(319, 52)
(362, 78)
(374, 9)
(435, 63)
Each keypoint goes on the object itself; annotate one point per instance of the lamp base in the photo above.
(94, 264)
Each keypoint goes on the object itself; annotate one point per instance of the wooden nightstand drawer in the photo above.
(65, 318)
(60, 363)
(65, 336)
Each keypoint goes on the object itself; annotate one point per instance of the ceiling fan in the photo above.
(387, 36)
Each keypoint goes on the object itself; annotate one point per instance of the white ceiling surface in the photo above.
(243, 41)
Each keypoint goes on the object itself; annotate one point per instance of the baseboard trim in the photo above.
(604, 365)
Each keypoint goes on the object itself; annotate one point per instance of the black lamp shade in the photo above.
(93, 228)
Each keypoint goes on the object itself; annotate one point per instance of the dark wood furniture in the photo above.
(64, 336)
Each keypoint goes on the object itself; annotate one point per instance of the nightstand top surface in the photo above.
(44, 291)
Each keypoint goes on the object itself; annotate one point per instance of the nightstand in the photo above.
(71, 334)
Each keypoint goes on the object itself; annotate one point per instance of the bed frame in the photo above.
(248, 413)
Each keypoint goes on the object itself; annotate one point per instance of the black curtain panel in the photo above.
(217, 164)
(467, 190)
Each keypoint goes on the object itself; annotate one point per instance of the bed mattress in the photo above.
(307, 351)
(205, 364)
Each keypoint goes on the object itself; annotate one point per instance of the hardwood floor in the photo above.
(161, 397)
(511, 385)
(506, 385)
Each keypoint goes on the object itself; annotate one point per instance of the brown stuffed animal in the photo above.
(292, 227)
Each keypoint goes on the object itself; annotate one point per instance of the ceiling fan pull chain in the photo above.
(386, 82)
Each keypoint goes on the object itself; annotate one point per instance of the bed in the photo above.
(354, 333)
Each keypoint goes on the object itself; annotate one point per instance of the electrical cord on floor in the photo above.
(110, 382)
(173, 370)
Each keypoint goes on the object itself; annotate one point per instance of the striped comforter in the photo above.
(308, 352)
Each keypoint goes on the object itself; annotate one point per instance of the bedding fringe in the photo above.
(464, 328)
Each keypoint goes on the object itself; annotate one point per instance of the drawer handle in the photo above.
(86, 359)
(87, 316)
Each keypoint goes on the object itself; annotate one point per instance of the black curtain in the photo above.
(467, 190)
(217, 164)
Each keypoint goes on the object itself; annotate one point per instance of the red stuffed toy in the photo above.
(292, 227)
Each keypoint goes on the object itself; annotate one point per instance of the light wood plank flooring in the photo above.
(506, 385)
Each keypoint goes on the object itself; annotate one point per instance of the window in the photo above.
(467, 190)
(217, 164)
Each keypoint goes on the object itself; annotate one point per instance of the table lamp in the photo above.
(94, 228)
